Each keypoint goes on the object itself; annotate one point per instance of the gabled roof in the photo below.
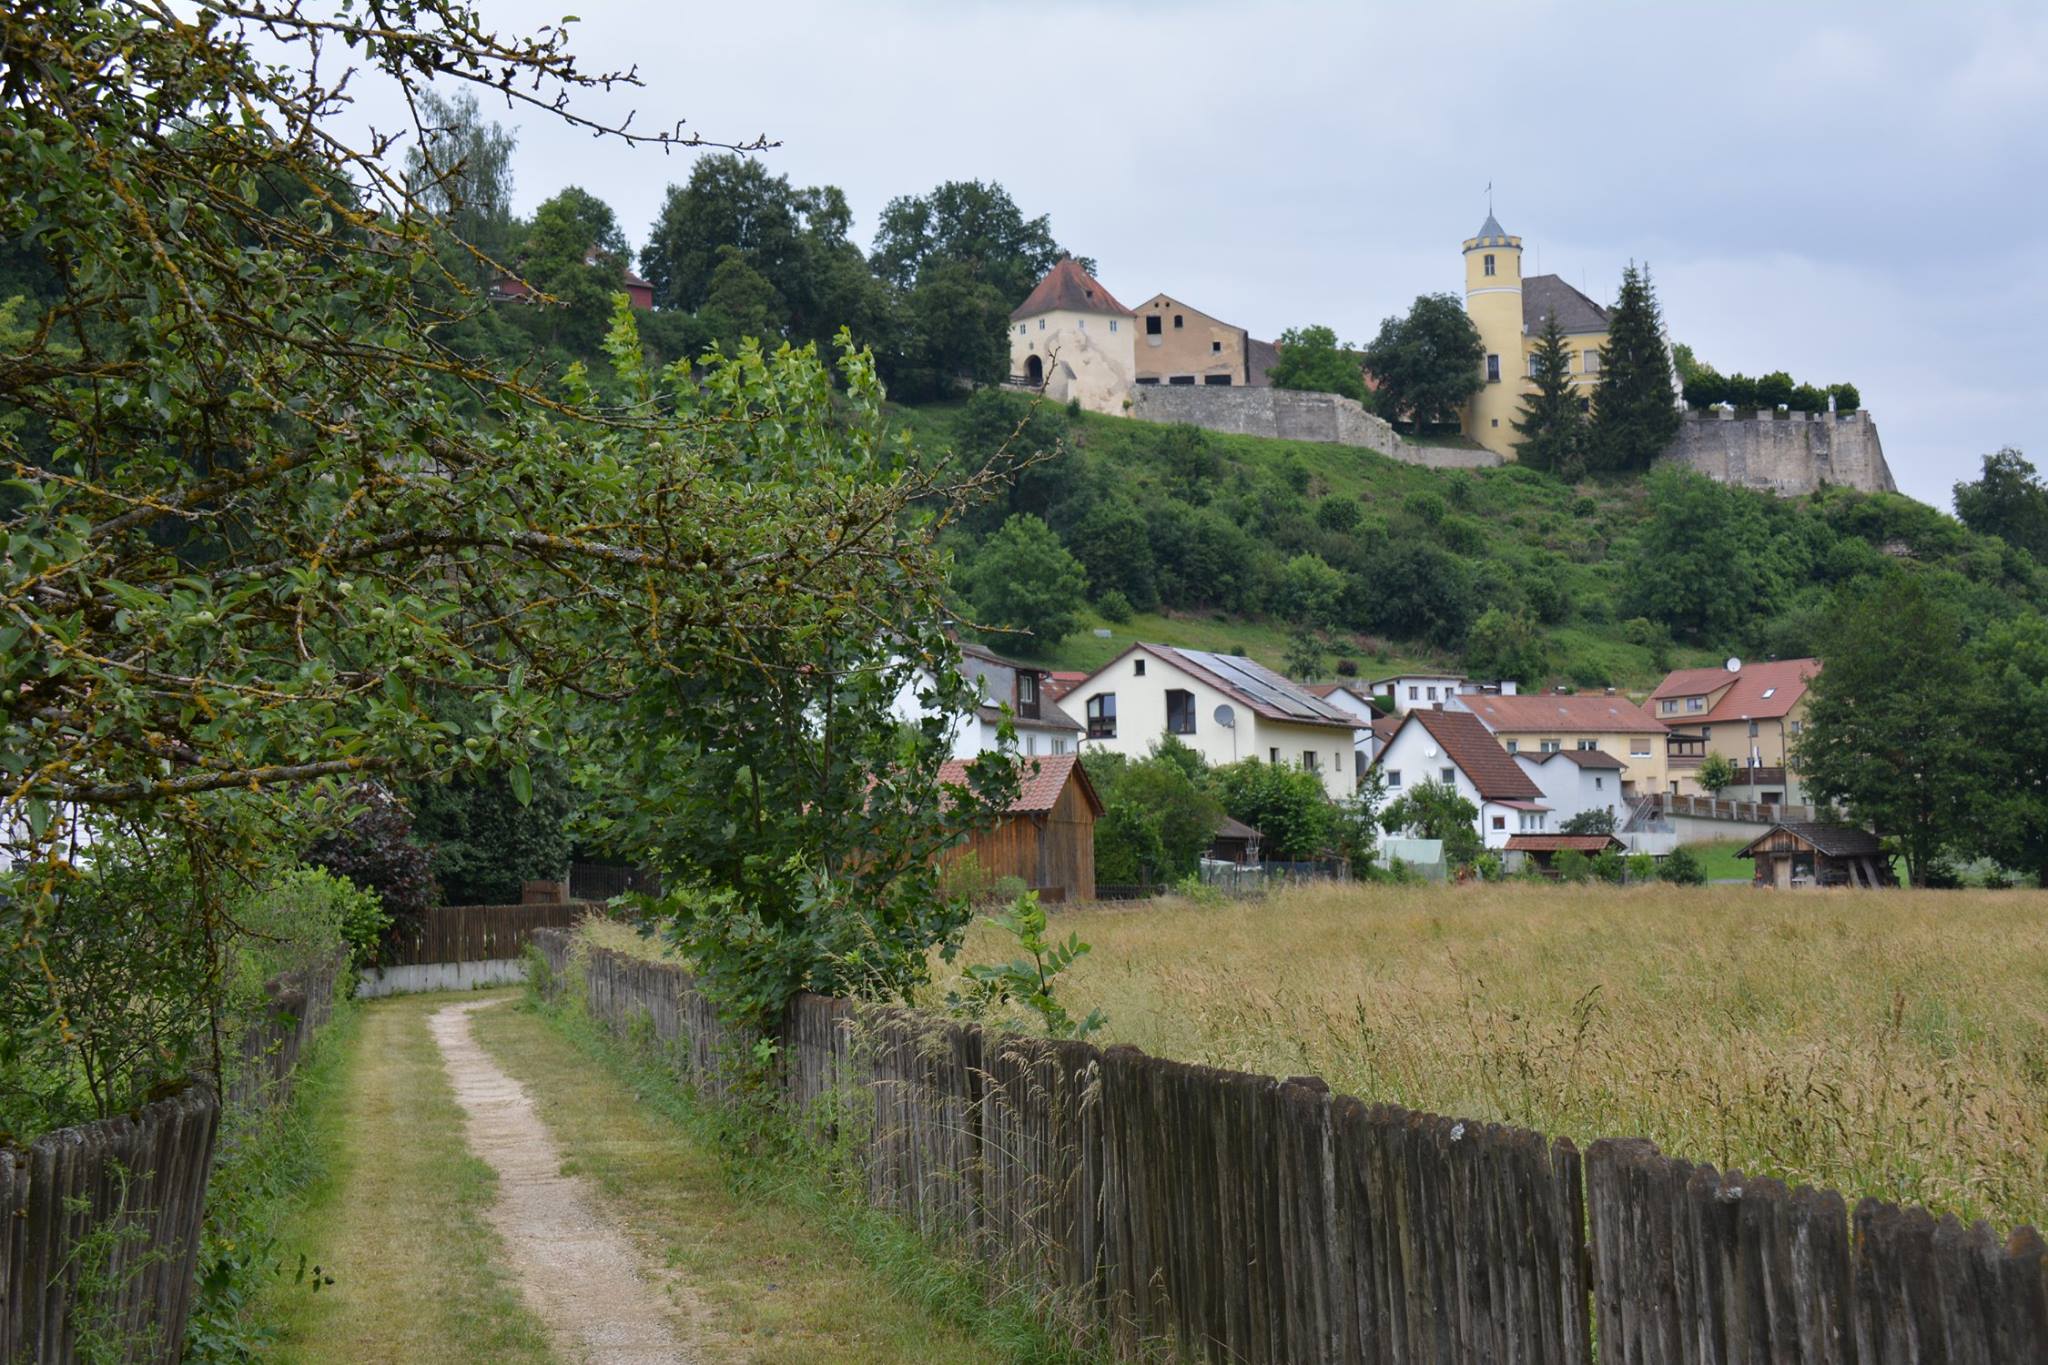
(1384, 727)
(1062, 681)
(1231, 828)
(1477, 753)
(1558, 843)
(1069, 288)
(1543, 295)
(1419, 676)
(1784, 679)
(1585, 715)
(1044, 778)
(1585, 758)
(1248, 683)
(1837, 841)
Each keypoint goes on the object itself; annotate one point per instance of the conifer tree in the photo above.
(1634, 415)
(1553, 431)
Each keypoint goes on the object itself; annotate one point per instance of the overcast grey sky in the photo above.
(1844, 191)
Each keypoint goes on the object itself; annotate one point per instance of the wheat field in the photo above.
(1891, 1044)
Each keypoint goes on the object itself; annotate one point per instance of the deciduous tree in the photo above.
(1312, 358)
(1427, 364)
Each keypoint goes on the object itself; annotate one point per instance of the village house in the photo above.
(1404, 691)
(1073, 340)
(1453, 748)
(1182, 345)
(1750, 714)
(1351, 699)
(1541, 723)
(1575, 781)
(639, 293)
(1042, 726)
(1223, 706)
(1047, 837)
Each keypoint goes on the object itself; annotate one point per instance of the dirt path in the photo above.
(601, 1300)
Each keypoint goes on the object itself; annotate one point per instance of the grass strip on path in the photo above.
(790, 1274)
(398, 1220)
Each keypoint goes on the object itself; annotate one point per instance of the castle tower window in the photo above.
(1493, 369)
(1152, 326)
(1489, 263)
(1592, 362)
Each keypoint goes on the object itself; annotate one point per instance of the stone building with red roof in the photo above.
(1072, 340)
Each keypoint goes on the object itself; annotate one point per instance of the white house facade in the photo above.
(1452, 748)
(1074, 341)
(1406, 691)
(1042, 726)
(1575, 781)
(1223, 706)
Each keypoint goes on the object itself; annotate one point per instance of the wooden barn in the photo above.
(1541, 849)
(1048, 836)
(1803, 854)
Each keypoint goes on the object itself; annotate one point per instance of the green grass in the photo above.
(398, 1218)
(1510, 517)
(1718, 860)
(794, 1265)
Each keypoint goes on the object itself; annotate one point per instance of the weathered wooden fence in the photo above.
(457, 947)
(100, 1224)
(1244, 1218)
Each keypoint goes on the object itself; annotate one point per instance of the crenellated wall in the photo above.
(1787, 453)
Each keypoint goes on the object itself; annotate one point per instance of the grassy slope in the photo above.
(1888, 1044)
(1532, 513)
(398, 1220)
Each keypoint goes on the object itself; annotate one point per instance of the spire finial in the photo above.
(1489, 199)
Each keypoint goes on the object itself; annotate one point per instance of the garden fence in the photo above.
(100, 1224)
(1243, 1218)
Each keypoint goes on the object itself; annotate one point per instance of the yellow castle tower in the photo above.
(1509, 312)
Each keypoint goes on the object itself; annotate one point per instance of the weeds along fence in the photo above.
(1235, 1217)
(100, 1224)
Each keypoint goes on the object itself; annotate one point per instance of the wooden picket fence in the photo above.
(1237, 1217)
(100, 1224)
(473, 933)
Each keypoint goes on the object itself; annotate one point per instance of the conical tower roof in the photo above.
(1069, 288)
(1491, 227)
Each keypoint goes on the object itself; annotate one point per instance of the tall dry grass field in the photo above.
(1889, 1044)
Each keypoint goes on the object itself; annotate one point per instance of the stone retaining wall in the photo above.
(1292, 415)
(1789, 453)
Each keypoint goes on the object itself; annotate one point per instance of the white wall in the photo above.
(1569, 789)
(1445, 689)
(1089, 356)
(1415, 755)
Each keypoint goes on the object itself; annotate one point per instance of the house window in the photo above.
(1549, 746)
(1589, 746)
(1217, 380)
(1030, 744)
(1599, 784)
(1639, 748)
(1695, 703)
(1311, 761)
(1493, 369)
(1215, 348)
(1081, 323)
(1514, 745)
(1592, 359)
(1489, 263)
(1112, 324)
(1449, 775)
(1027, 694)
(1152, 327)
(1797, 726)
(1585, 405)
(1041, 324)
(1393, 777)
(1273, 756)
(1432, 694)
(1148, 379)
(1023, 327)
(1059, 746)
(1532, 364)
(1500, 822)
(1669, 706)
(1187, 380)
(1770, 692)
(1752, 729)
(1178, 320)
(1412, 690)
(1180, 712)
(1137, 668)
(1102, 716)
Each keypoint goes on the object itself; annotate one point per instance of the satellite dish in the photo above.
(1734, 665)
(1226, 717)
(1430, 752)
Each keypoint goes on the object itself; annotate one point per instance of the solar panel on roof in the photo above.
(1266, 687)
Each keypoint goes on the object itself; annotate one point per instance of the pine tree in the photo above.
(1553, 431)
(1635, 415)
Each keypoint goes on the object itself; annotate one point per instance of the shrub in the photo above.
(376, 851)
(1113, 607)
(1570, 865)
(1341, 515)
(1607, 866)
(1846, 397)
(1641, 867)
(1682, 868)
(1347, 668)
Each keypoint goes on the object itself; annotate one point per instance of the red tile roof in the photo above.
(1584, 715)
(1383, 728)
(1784, 679)
(1585, 758)
(1044, 778)
(1058, 684)
(1470, 745)
(1070, 288)
(1557, 843)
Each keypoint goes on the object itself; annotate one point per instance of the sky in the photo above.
(1845, 192)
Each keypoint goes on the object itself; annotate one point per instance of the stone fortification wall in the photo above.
(1291, 415)
(1788, 453)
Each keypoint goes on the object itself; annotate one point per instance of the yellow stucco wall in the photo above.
(1642, 772)
(1494, 303)
(1088, 356)
(1201, 346)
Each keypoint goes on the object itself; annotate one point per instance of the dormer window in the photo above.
(1027, 695)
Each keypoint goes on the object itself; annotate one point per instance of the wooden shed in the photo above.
(1542, 848)
(1048, 836)
(1235, 842)
(1804, 854)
